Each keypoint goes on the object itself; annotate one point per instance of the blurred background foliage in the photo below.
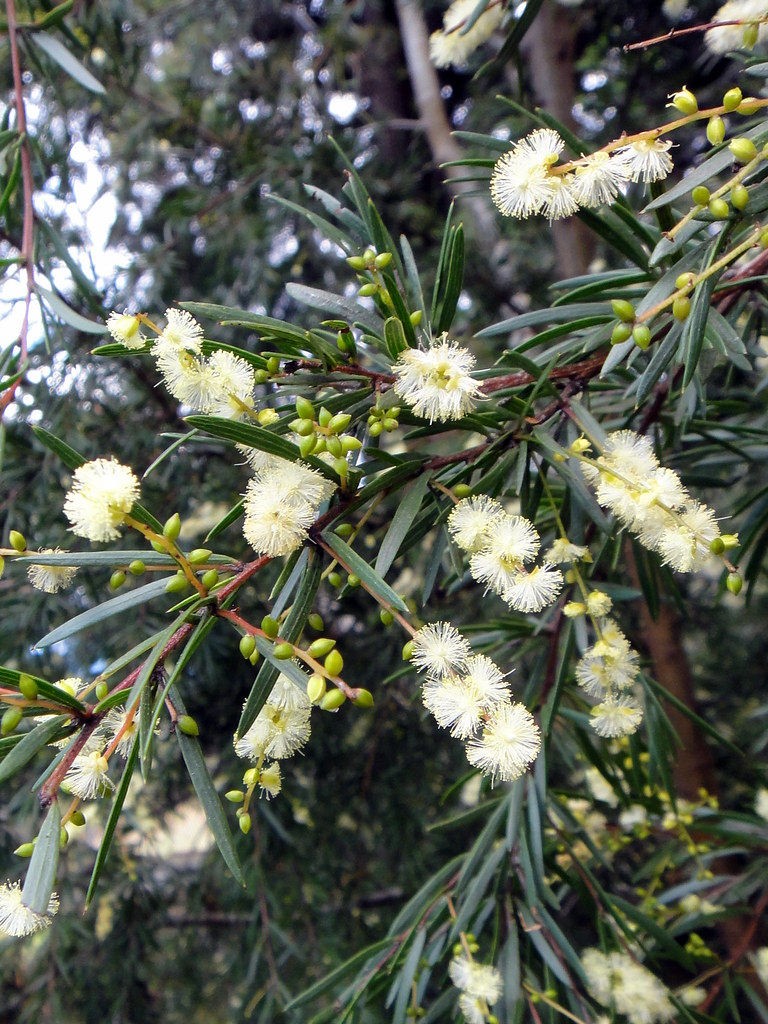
(162, 190)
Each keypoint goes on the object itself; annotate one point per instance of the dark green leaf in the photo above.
(41, 874)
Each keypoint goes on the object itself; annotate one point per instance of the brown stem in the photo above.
(673, 33)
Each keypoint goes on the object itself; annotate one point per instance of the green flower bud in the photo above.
(386, 617)
(719, 209)
(382, 260)
(732, 98)
(334, 663)
(623, 310)
(270, 626)
(210, 579)
(283, 650)
(319, 446)
(716, 546)
(739, 197)
(255, 656)
(750, 35)
(685, 280)
(273, 365)
(78, 818)
(335, 580)
(266, 417)
(250, 777)
(734, 582)
(730, 541)
(27, 686)
(245, 823)
(261, 377)
(315, 621)
(341, 468)
(11, 718)
(742, 149)
(681, 308)
(715, 130)
(102, 690)
(307, 445)
(320, 647)
(339, 422)
(172, 527)
(368, 289)
(700, 195)
(117, 579)
(176, 584)
(304, 409)
(332, 700)
(685, 101)
(350, 444)
(316, 687)
(356, 262)
(247, 645)
(188, 725)
(416, 317)
(408, 650)
(333, 445)
(620, 333)
(641, 335)
(344, 530)
(199, 556)
(763, 240)
(302, 427)
(157, 545)
(369, 255)
(325, 416)
(25, 850)
(17, 540)
(137, 567)
(376, 428)
(235, 796)
(364, 699)
(749, 105)
(63, 838)
(390, 424)
(353, 581)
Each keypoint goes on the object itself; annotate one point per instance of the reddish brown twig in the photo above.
(673, 33)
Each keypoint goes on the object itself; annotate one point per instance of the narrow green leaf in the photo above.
(114, 816)
(404, 516)
(11, 677)
(68, 62)
(206, 792)
(369, 578)
(337, 305)
(394, 337)
(41, 874)
(406, 976)
(65, 312)
(329, 981)
(102, 558)
(115, 606)
(30, 743)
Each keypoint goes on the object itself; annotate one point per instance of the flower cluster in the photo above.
(500, 546)
(454, 43)
(529, 178)
(616, 980)
(731, 37)
(480, 986)
(435, 382)
(101, 496)
(652, 502)
(281, 503)
(607, 671)
(51, 578)
(16, 918)
(467, 694)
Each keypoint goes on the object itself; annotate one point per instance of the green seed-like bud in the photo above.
(681, 308)
(250, 777)
(188, 725)
(341, 468)
(685, 101)
(700, 195)
(199, 556)
(334, 663)
(283, 651)
(376, 428)
(307, 445)
(386, 617)
(641, 335)
(316, 687)
(408, 650)
(304, 409)
(319, 446)
(63, 838)
(743, 149)
(316, 621)
(137, 567)
(157, 545)
(623, 310)
(325, 416)
(17, 540)
(353, 581)
(339, 422)
(344, 530)
(172, 527)
(364, 699)
(25, 850)
(382, 260)
(27, 686)
(117, 579)
(273, 364)
(245, 823)
(335, 580)
(732, 98)
(750, 35)
(11, 718)
(247, 645)
(739, 197)
(176, 584)
(763, 240)
(235, 796)
(356, 262)
(261, 377)
(716, 546)
(254, 657)
(749, 105)
(390, 424)
(302, 427)
(730, 541)
(78, 818)
(102, 690)
(270, 626)
(719, 209)
(715, 130)
(416, 317)
(685, 280)
(620, 333)
(369, 255)
(462, 490)
(333, 445)
(368, 289)
(320, 647)
(734, 582)
(210, 579)
(350, 444)
(332, 700)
